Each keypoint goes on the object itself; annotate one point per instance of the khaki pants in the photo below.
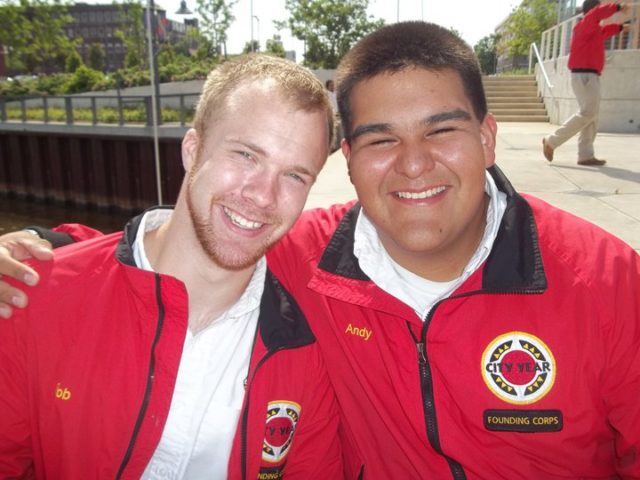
(586, 87)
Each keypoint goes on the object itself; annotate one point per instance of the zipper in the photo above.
(428, 405)
(149, 386)
(426, 379)
(245, 413)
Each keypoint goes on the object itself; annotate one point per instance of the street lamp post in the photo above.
(251, 18)
(258, 22)
(155, 94)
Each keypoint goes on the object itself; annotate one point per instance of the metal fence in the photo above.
(177, 109)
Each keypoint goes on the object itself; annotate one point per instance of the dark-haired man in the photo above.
(586, 61)
(469, 332)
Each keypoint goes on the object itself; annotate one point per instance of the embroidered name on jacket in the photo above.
(363, 332)
(518, 368)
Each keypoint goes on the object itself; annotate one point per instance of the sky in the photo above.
(474, 19)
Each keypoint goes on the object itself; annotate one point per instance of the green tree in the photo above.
(251, 46)
(526, 24)
(96, 56)
(329, 28)
(131, 33)
(216, 18)
(274, 46)
(73, 62)
(33, 32)
(486, 52)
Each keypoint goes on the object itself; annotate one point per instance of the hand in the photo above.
(16, 247)
(624, 8)
(626, 27)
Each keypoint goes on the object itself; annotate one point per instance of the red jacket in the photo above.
(530, 370)
(88, 370)
(587, 42)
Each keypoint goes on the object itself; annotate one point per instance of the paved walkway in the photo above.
(608, 196)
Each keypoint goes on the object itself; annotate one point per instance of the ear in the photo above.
(190, 144)
(488, 132)
(346, 151)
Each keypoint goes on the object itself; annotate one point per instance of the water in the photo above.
(17, 213)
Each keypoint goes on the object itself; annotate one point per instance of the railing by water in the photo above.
(122, 110)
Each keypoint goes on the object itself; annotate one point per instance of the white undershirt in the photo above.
(206, 403)
(418, 292)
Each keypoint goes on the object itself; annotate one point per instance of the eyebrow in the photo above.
(457, 114)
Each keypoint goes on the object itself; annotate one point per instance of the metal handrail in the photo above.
(534, 48)
(91, 102)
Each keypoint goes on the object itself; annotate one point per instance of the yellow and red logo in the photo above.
(518, 368)
(282, 418)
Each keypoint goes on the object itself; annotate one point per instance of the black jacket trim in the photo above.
(124, 251)
(282, 322)
(57, 239)
(514, 264)
(338, 256)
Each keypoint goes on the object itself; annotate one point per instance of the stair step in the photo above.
(509, 78)
(510, 91)
(522, 118)
(506, 83)
(518, 111)
(507, 97)
(523, 105)
(514, 98)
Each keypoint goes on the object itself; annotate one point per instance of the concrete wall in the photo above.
(620, 82)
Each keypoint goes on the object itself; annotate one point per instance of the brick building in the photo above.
(99, 24)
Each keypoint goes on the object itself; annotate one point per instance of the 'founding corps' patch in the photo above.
(518, 368)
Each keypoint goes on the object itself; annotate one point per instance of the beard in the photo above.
(229, 257)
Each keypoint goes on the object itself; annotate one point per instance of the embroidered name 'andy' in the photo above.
(359, 332)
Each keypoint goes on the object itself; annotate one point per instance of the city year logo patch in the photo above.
(518, 368)
(282, 418)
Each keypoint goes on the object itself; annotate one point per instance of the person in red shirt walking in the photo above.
(586, 61)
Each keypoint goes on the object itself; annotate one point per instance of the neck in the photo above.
(174, 250)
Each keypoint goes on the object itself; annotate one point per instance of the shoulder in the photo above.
(74, 269)
(314, 229)
(592, 253)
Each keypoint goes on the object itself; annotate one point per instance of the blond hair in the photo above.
(298, 85)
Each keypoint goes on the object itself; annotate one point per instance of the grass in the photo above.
(108, 115)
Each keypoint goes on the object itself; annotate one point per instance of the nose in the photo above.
(413, 159)
(262, 190)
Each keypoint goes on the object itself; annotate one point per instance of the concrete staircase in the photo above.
(514, 98)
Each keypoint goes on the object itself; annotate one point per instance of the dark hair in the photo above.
(588, 5)
(404, 45)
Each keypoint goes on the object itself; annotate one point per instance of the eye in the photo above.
(380, 141)
(244, 154)
(443, 130)
(297, 178)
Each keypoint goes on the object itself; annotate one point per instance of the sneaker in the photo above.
(595, 162)
(547, 150)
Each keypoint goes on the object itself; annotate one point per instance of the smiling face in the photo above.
(417, 159)
(248, 180)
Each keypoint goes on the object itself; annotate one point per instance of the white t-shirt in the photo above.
(206, 403)
(417, 292)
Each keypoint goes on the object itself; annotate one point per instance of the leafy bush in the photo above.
(82, 80)
(73, 62)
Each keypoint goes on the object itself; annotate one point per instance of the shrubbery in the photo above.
(81, 78)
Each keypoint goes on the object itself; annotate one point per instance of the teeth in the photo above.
(241, 221)
(421, 195)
